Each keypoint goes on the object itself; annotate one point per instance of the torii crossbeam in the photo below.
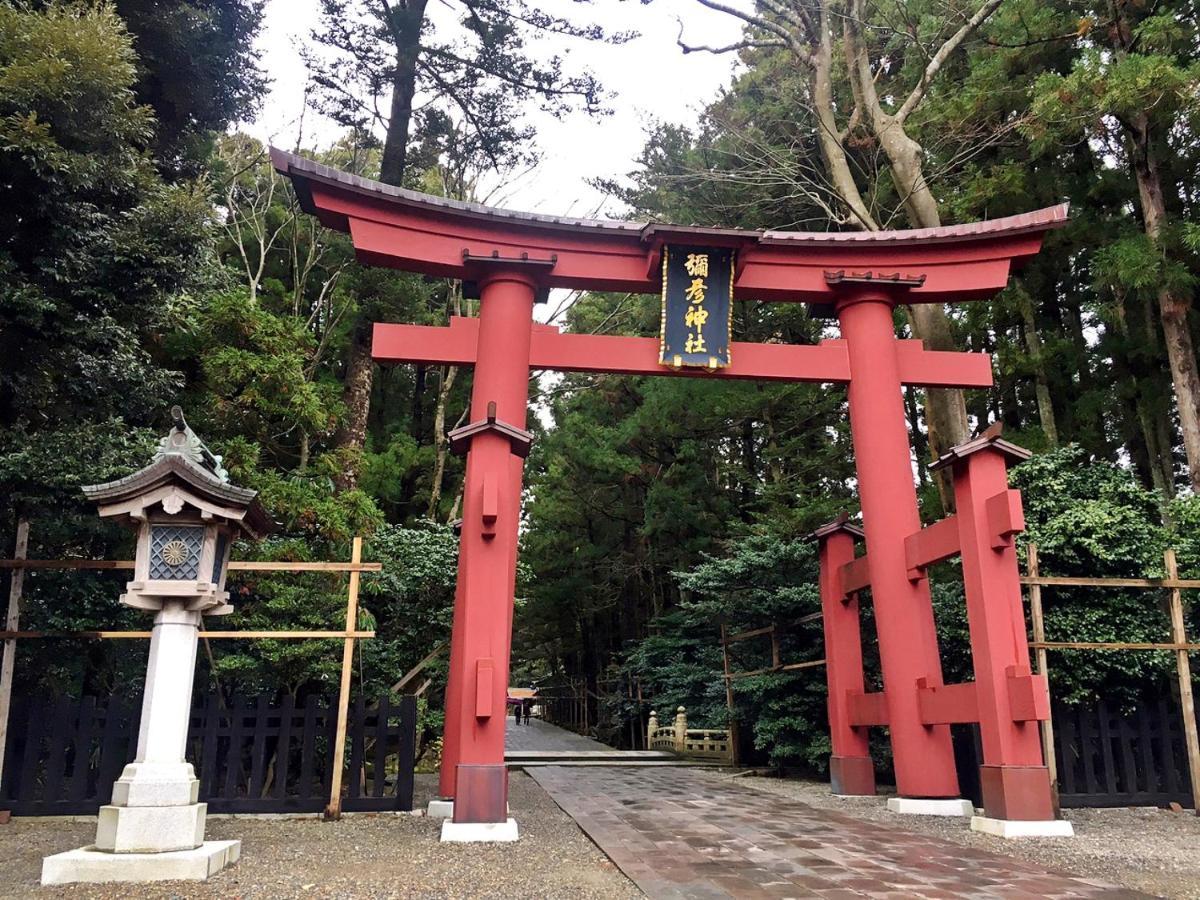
(512, 259)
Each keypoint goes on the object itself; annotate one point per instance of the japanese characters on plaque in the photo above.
(696, 307)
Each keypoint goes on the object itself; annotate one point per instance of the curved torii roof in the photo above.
(405, 229)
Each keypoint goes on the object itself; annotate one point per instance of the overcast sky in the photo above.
(649, 77)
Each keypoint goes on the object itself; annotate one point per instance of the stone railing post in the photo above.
(651, 727)
(680, 730)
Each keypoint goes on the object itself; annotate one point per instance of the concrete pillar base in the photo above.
(156, 784)
(913, 806)
(852, 776)
(480, 832)
(150, 829)
(440, 809)
(1017, 828)
(87, 864)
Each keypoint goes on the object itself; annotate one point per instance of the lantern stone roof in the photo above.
(182, 459)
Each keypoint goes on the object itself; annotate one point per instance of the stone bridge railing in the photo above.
(698, 743)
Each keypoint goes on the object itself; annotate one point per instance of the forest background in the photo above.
(150, 256)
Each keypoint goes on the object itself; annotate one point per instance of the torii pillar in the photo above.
(496, 443)
(926, 778)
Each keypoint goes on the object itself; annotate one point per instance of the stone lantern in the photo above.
(187, 515)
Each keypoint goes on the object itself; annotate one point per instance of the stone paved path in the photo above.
(682, 833)
(538, 735)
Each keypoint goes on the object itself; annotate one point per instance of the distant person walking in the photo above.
(517, 712)
(527, 706)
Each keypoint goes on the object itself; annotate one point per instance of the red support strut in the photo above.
(1010, 699)
(851, 771)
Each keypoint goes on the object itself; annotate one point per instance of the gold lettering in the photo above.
(697, 264)
(697, 291)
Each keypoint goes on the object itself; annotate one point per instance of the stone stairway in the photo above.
(541, 744)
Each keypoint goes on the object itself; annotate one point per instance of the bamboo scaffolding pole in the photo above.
(334, 809)
(1039, 639)
(213, 635)
(11, 623)
(1184, 669)
(234, 566)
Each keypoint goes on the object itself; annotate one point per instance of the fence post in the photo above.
(12, 623)
(680, 730)
(1039, 636)
(1184, 668)
(733, 723)
(334, 809)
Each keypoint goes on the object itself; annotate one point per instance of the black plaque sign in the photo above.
(697, 304)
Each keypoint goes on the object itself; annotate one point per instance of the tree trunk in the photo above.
(405, 28)
(1033, 341)
(441, 443)
(945, 408)
(352, 436)
(1173, 306)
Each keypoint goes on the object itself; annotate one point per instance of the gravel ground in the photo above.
(361, 856)
(1147, 849)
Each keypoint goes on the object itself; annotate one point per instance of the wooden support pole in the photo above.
(1184, 668)
(207, 635)
(12, 623)
(1039, 636)
(234, 566)
(334, 809)
(733, 723)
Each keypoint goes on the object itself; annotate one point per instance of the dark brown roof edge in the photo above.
(300, 168)
(841, 523)
(990, 438)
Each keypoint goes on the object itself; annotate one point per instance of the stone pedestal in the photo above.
(154, 827)
(934, 806)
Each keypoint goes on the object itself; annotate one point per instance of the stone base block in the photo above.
(480, 832)
(912, 806)
(440, 809)
(156, 784)
(150, 829)
(1019, 793)
(852, 776)
(1019, 828)
(91, 865)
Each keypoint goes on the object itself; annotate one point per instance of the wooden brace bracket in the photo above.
(1005, 517)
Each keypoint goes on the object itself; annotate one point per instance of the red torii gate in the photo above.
(512, 260)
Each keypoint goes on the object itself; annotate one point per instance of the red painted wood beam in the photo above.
(947, 704)
(855, 576)
(1028, 695)
(551, 349)
(867, 709)
(436, 236)
(931, 545)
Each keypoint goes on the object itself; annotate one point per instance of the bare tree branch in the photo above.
(939, 58)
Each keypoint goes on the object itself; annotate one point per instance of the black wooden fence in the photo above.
(251, 756)
(1105, 757)
(1109, 758)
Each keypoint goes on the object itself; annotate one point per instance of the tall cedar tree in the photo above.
(1134, 93)
(869, 67)
(381, 56)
